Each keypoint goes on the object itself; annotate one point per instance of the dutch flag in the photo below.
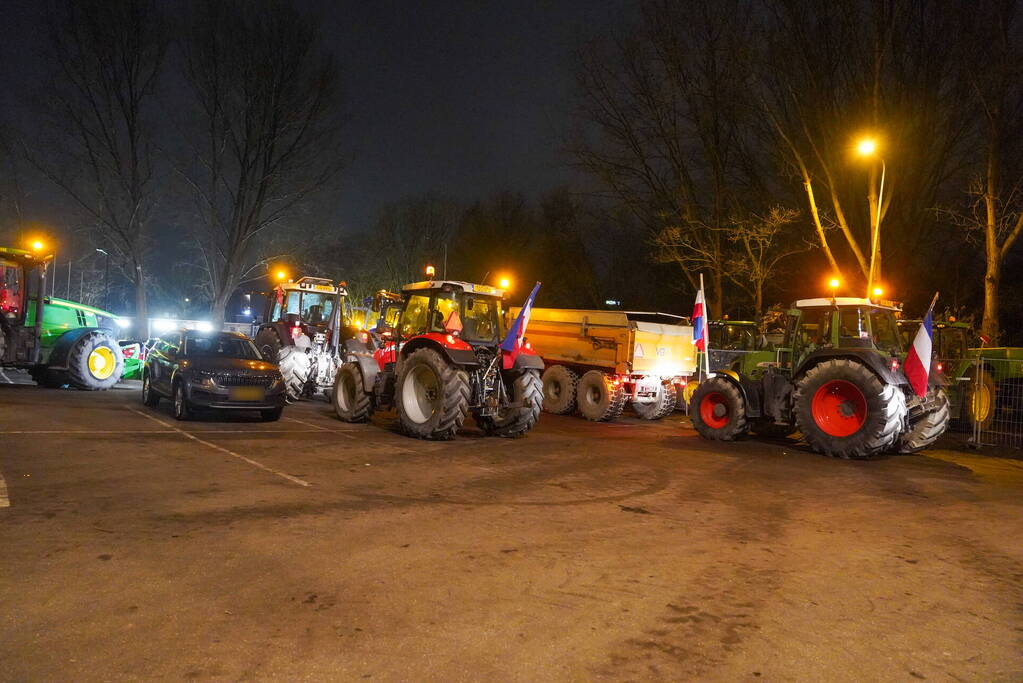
(518, 329)
(700, 322)
(918, 361)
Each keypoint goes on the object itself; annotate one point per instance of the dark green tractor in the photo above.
(58, 341)
(975, 372)
(836, 378)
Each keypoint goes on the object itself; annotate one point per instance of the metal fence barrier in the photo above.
(986, 399)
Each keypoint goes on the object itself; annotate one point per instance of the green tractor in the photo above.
(59, 342)
(836, 378)
(975, 372)
(730, 340)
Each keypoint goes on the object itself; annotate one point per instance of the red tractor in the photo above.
(438, 354)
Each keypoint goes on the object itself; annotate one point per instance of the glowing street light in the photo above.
(281, 275)
(867, 147)
(878, 291)
(504, 283)
(833, 283)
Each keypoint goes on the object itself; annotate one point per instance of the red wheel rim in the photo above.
(714, 410)
(839, 408)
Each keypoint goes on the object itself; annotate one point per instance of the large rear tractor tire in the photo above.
(559, 390)
(661, 407)
(432, 396)
(527, 394)
(844, 410)
(352, 402)
(926, 427)
(718, 410)
(981, 394)
(95, 362)
(294, 364)
(599, 398)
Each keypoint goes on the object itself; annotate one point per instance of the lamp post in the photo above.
(868, 148)
(106, 280)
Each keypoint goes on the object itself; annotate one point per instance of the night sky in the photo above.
(460, 99)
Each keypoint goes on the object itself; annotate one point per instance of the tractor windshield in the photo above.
(952, 342)
(884, 330)
(733, 337)
(480, 319)
(312, 307)
(10, 288)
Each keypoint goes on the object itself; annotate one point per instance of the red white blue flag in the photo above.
(918, 361)
(700, 322)
(518, 329)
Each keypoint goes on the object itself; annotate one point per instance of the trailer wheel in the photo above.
(527, 392)
(351, 401)
(600, 399)
(925, 428)
(95, 362)
(719, 410)
(432, 396)
(559, 390)
(294, 364)
(661, 407)
(845, 411)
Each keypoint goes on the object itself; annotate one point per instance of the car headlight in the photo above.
(204, 379)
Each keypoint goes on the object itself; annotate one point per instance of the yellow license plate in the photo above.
(247, 393)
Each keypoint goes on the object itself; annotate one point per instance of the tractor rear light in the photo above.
(296, 332)
(364, 337)
(895, 364)
(939, 367)
(451, 339)
(529, 346)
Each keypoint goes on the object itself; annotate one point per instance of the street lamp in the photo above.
(505, 283)
(867, 147)
(106, 280)
(833, 283)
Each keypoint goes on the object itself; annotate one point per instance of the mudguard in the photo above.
(453, 352)
(529, 361)
(750, 391)
(57, 359)
(872, 359)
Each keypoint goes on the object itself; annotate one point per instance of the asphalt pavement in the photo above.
(137, 547)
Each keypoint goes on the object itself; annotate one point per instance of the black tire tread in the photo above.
(455, 408)
(927, 428)
(571, 381)
(662, 407)
(362, 409)
(868, 445)
(77, 360)
(735, 429)
(521, 419)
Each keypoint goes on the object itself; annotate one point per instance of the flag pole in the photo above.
(706, 331)
(933, 301)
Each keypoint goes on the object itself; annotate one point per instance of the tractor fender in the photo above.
(528, 361)
(274, 328)
(456, 356)
(872, 359)
(750, 390)
(57, 359)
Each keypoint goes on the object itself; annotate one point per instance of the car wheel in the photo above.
(182, 410)
(149, 396)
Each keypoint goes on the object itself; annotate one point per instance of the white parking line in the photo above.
(5, 502)
(323, 429)
(254, 463)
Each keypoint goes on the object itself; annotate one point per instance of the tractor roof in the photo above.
(486, 290)
(745, 323)
(21, 255)
(841, 301)
(937, 323)
(312, 284)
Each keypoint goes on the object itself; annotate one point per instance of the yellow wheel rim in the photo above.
(980, 402)
(689, 389)
(102, 362)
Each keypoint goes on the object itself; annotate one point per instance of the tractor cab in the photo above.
(308, 302)
(21, 295)
(952, 339)
(844, 323)
(468, 312)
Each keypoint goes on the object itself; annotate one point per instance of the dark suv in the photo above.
(218, 370)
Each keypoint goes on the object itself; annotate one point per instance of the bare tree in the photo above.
(412, 233)
(669, 106)
(265, 90)
(764, 241)
(997, 192)
(108, 55)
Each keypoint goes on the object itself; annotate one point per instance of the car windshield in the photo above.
(223, 345)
